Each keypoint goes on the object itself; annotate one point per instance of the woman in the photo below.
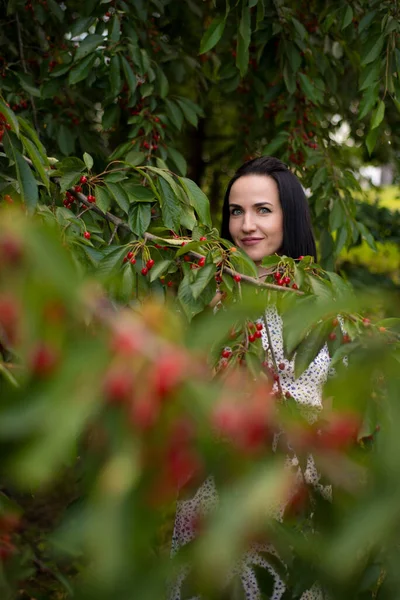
(265, 212)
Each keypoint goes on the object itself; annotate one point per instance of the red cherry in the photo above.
(77, 188)
(129, 255)
(252, 338)
(277, 275)
(203, 239)
(258, 334)
(87, 235)
(91, 198)
(237, 278)
(187, 258)
(259, 326)
(300, 257)
(43, 360)
(346, 339)
(170, 283)
(366, 322)
(144, 271)
(202, 261)
(125, 259)
(286, 280)
(168, 372)
(332, 336)
(281, 366)
(295, 286)
(133, 261)
(226, 353)
(118, 385)
(150, 263)
(83, 179)
(335, 322)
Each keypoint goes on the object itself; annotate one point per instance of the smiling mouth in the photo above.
(251, 241)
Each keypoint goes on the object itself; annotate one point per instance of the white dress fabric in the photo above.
(307, 391)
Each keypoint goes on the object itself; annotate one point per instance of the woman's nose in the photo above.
(248, 223)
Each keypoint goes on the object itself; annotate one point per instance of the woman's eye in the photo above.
(235, 212)
(264, 210)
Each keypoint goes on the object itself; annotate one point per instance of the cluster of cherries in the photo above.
(132, 259)
(70, 198)
(284, 280)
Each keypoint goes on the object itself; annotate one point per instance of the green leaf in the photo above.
(366, 21)
(178, 159)
(378, 115)
(111, 262)
(26, 128)
(299, 27)
(369, 76)
(162, 83)
(103, 198)
(87, 46)
(115, 76)
(368, 100)
(212, 35)
(69, 179)
(341, 240)
(160, 268)
(139, 193)
(243, 40)
(341, 288)
(88, 160)
(337, 215)
(110, 116)
(309, 348)
(275, 144)
(347, 17)
(198, 200)
(372, 51)
(289, 78)
(135, 158)
(366, 235)
(115, 33)
(293, 56)
(81, 70)
(27, 83)
(10, 116)
(319, 177)
(27, 183)
(139, 217)
(174, 114)
(190, 305)
(309, 89)
(56, 10)
(119, 195)
(170, 206)
(188, 112)
(321, 288)
(129, 75)
(371, 140)
(66, 140)
(204, 276)
(36, 158)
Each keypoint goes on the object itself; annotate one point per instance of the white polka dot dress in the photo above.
(307, 391)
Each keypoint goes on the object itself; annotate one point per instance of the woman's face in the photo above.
(255, 216)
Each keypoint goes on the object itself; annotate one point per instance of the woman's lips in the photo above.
(251, 241)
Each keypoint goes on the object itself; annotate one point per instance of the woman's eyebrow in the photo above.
(232, 204)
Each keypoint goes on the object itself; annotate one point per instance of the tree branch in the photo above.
(121, 224)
